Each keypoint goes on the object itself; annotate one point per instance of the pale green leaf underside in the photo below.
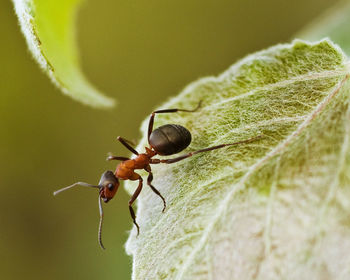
(277, 208)
(334, 23)
(48, 26)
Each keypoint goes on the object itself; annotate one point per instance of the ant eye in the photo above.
(110, 186)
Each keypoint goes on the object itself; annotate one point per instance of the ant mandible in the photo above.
(165, 140)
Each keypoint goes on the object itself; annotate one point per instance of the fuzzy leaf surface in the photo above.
(48, 27)
(277, 208)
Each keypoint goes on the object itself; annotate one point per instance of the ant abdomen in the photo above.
(170, 139)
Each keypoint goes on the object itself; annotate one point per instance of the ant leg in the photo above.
(151, 119)
(117, 158)
(132, 199)
(130, 142)
(125, 143)
(149, 181)
(173, 160)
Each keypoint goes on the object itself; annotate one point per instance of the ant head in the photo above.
(108, 185)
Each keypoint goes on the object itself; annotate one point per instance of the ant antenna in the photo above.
(83, 184)
(74, 185)
(101, 222)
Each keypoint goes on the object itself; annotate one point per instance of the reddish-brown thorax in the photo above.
(125, 169)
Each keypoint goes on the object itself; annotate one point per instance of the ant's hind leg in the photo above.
(131, 201)
(151, 119)
(173, 160)
(149, 181)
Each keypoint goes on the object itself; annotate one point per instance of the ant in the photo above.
(165, 140)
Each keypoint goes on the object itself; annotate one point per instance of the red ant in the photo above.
(166, 140)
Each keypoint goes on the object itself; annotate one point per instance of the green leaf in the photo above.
(334, 23)
(48, 27)
(277, 208)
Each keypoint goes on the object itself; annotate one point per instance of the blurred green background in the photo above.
(141, 52)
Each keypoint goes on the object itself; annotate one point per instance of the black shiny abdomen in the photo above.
(170, 139)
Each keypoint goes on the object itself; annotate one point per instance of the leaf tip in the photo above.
(59, 62)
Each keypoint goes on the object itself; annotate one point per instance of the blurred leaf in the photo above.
(334, 23)
(48, 26)
(277, 208)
